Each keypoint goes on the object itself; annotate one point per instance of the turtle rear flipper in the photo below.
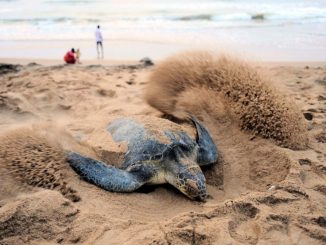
(102, 175)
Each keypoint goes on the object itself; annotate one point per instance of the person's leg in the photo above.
(97, 49)
(71, 61)
(102, 50)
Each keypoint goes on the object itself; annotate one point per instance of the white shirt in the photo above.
(98, 35)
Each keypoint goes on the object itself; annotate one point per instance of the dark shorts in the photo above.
(99, 43)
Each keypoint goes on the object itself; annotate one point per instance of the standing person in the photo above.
(99, 42)
(78, 56)
(69, 57)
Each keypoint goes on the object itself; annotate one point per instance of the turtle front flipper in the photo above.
(102, 175)
(207, 152)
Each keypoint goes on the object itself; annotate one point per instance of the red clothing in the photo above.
(70, 58)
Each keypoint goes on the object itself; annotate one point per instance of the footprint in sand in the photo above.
(321, 137)
(321, 98)
(64, 107)
(321, 81)
(305, 161)
(107, 92)
(320, 188)
(131, 82)
(308, 116)
(120, 86)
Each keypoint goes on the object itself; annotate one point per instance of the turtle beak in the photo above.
(193, 185)
(196, 191)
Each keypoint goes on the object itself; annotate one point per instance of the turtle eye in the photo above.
(135, 167)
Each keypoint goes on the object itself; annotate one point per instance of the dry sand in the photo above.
(259, 191)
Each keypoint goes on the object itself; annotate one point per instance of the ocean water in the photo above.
(282, 24)
(148, 19)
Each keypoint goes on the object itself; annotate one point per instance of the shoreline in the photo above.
(120, 50)
(115, 50)
(113, 62)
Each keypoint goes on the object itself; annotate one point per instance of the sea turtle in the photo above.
(174, 158)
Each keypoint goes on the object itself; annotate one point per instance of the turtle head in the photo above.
(190, 181)
(183, 172)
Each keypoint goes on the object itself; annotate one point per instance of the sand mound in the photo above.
(44, 215)
(200, 79)
(34, 159)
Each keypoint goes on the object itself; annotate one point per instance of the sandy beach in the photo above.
(262, 190)
(119, 149)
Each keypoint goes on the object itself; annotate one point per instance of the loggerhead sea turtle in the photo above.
(151, 160)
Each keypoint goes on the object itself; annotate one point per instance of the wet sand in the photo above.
(259, 191)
